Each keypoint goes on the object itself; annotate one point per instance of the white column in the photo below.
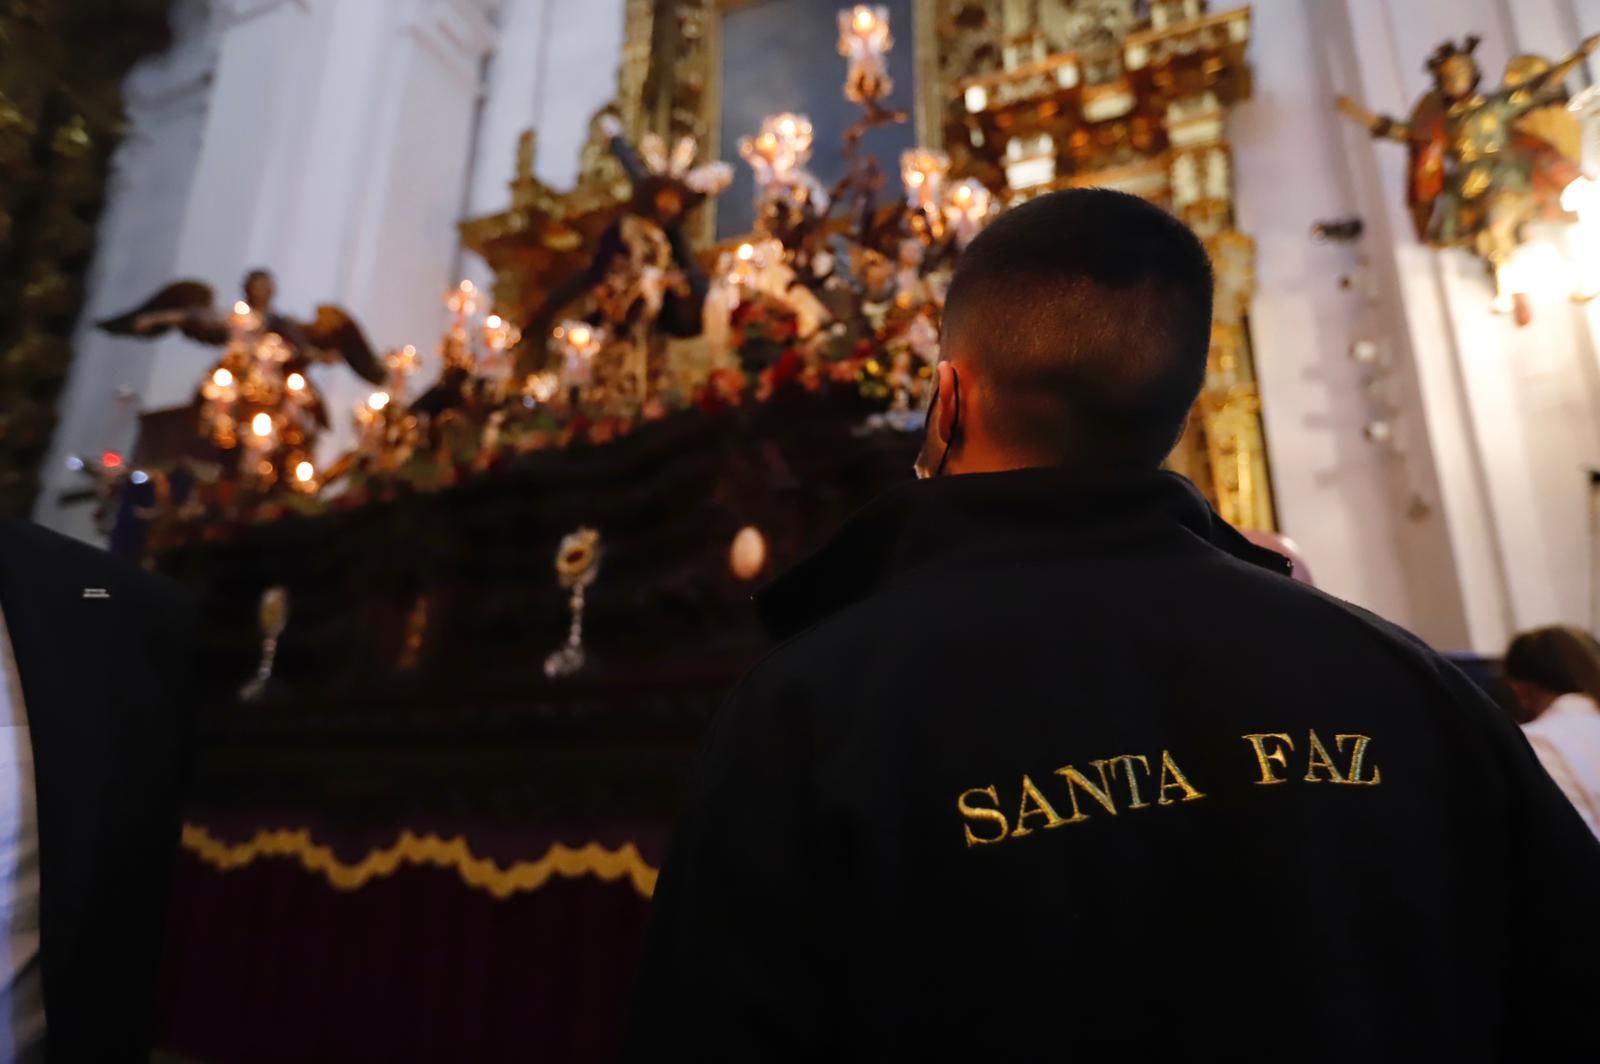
(513, 91)
(263, 89)
(402, 215)
(1373, 48)
(336, 154)
(579, 77)
(1346, 502)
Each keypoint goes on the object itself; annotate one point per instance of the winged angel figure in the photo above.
(1484, 163)
(258, 395)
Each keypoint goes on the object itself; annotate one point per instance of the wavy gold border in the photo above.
(591, 859)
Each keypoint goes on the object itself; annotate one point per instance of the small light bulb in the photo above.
(295, 382)
(377, 400)
(261, 424)
(304, 472)
(223, 377)
(241, 308)
(493, 321)
(864, 19)
(581, 335)
(747, 252)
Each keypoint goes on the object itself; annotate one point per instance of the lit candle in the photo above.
(578, 342)
(499, 334)
(779, 150)
(923, 172)
(967, 207)
(463, 300)
(865, 41)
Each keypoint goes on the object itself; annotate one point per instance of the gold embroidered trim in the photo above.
(591, 859)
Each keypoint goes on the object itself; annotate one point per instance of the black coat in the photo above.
(108, 688)
(1079, 770)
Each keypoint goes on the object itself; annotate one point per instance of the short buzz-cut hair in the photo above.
(1086, 315)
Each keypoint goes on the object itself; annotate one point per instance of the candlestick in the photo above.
(864, 39)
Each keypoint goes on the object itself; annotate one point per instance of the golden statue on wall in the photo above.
(1485, 164)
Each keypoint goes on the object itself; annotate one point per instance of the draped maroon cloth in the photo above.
(270, 962)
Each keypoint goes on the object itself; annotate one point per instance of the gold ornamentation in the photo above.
(577, 566)
(273, 618)
(482, 873)
(416, 633)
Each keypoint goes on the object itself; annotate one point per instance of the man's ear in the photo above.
(944, 422)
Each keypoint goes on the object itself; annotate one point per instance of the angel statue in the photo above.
(258, 397)
(644, 280)
(1485, 164)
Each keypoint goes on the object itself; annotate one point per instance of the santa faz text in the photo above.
(1131, 782)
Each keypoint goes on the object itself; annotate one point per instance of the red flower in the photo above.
(787, 368)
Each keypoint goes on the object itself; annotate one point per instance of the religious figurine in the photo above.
(1484, 164)
(644, 281)
(258, 398)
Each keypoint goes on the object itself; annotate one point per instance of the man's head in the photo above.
(1078, 325)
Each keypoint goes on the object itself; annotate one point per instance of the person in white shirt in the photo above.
(1555, 674)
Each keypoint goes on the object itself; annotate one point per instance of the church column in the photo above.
(1368, 63)
(336, 154)
(1365, 517)
(514, 88)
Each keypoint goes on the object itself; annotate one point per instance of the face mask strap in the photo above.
(955, 423)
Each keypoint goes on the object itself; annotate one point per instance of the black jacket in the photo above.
(1077, 769)
(107, 682)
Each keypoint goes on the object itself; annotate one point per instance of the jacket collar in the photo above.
(951, 518)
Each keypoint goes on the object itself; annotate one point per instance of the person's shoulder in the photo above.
(97, 571)
(1568, 717)
(1340, 619)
